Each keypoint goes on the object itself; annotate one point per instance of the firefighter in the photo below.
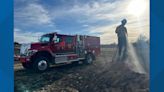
(121, 32)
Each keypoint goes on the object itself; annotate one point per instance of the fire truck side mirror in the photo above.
(57, 40)
(54, 39)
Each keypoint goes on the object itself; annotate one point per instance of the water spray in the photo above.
(137, 62)
(133, 61)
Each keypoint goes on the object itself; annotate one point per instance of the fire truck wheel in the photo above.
(89, 59)
(27, 65)
(41, 64)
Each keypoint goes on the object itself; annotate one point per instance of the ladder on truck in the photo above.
(80, 47)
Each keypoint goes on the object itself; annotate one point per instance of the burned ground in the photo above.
(101, 76)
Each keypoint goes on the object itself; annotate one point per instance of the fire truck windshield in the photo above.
(45, 38)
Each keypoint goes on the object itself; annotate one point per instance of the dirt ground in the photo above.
(101, 76)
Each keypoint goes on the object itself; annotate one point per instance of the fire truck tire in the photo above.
(41, 64)
(89, 59)
(27, 65)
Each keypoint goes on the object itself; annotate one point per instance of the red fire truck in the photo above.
(54, 48)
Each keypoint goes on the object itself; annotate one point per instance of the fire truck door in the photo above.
(58, 44)
(69, 44)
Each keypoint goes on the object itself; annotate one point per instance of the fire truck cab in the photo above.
(54, 48)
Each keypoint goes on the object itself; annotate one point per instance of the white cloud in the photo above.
(30, 16)
(26, 37)
(85, 25)
(113, 13)
(88, 14)
(33, 14)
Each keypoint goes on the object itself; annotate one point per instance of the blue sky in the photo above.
(33, 18)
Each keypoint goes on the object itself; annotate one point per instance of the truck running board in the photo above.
(66, 58)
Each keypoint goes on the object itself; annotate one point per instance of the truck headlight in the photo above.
(24, 49)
